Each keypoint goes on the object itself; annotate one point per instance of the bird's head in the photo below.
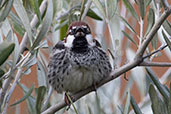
(79, 36)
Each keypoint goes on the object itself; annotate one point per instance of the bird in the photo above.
(78, 61)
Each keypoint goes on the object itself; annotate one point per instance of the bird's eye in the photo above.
(86, 30)
(72, 31)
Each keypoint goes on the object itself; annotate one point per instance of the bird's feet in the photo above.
(68, 100)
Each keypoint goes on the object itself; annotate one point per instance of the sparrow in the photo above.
(78, 61)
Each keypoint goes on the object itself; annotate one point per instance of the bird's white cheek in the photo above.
(70, 39)
(90, 40)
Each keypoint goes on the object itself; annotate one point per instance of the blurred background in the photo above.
(119, 25)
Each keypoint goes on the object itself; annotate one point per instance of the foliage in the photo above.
(38, 23)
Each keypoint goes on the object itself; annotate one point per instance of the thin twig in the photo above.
(155, 64)
(18, 76)
(152, 32)
(33, 24)
(118, 72)
(150, 54)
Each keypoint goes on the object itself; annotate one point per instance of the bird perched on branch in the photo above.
(77, 62)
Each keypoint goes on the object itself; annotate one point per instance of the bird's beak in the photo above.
(79, 32)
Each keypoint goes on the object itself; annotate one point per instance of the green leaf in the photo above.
(17, 25)
(135, 106)
(35, 6)
(154, 41)
(99, 7)
(111, 8)
(6, 10)
(147, 2)
(40, 96)
(62, 24)
(41, 74)
(141, 5)
(167, 40)
(6, 49)
(1, 73)
(127, 104)
(128, 25)
(30, 100)
(63, 30)
(25, 96)
(150, 20)
(130, 38)
(131, 9)
(21, 12)
(158, 106)
(93, 15)
(167, 26)
(45, 26)
(159, 86)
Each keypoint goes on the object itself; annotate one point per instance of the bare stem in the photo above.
(155, 64)
(152, 32)
(161, 48)
(18, 76)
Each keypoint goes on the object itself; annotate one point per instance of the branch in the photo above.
(153, 31)
(155, 64)
(33, 24)
(118, 72)
(159, 49)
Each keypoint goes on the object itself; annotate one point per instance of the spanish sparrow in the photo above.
(77, 62)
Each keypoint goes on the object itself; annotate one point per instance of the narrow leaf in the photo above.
(30, 100)
(167, 40)
(150, 20)
(99, 7)
(128, 25)
(62, 24)
(63, 30)
(127, 104)
(130, 38)
(111, 7)
(45, 26)
(40, 96)
(131, 9)
(158, 106)
(167, 26)
(21, 12)
(6, 10)
(25, 96)
(41, 75)
(1, 73)
(135, 106)
(141, 5)
(159, 86)
(35, 6)
(147, 2)
(154, 41)
(6, 49)
(93, 15)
